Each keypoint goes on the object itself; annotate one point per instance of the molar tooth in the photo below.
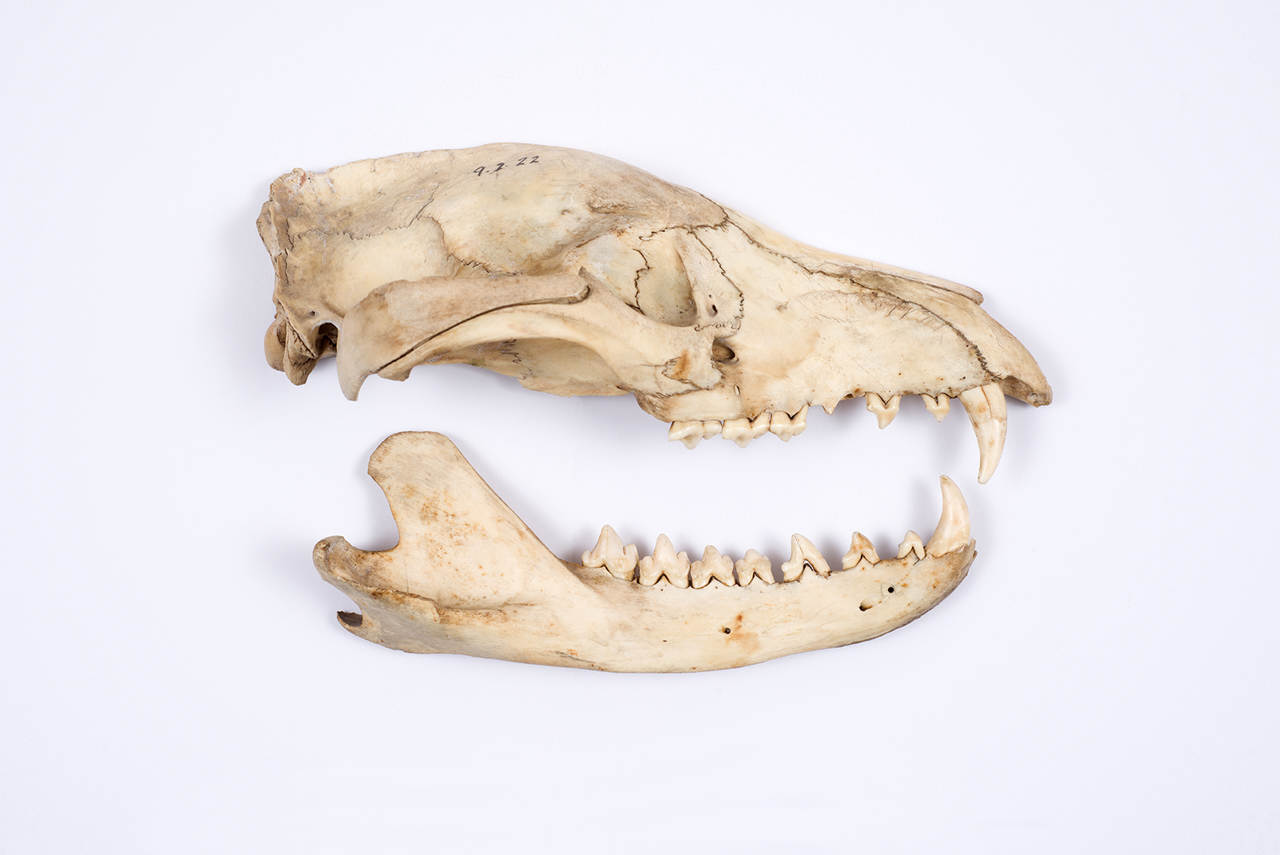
(754, 566)
(665, 562)
(690, 433)
(610, 554)
(803, 552)
(738, 430)
(986, 409)
(952, 532)
(911, 545)
(785, 426)
(860, 549)
(884, 410)
(712, 565)
(939, 405)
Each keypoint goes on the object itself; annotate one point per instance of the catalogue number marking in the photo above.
(481, 170)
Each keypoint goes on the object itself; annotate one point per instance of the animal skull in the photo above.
(580, 275)
(468, 576)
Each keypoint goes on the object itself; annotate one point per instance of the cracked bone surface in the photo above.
(468, 576)
(581, 275)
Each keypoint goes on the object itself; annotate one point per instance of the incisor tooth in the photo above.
(712, 565)
(754, 566)
(952, 532)
(884, 410)
(986, 409)
(690, 433)
(939, 405)
(610, 554)
(665, 562)
(860, 549)
(911, 545)
(803, 553)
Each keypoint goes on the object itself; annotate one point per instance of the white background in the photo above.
(173, 676)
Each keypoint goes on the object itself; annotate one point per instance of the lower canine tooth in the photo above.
(803, 553)
(911, 545)
(939, 405)
(754, 566)
(860, 549)
(712, 565)
(665, 561)
(952, 532)
(884, 410)
(690, 433)
(986, 409)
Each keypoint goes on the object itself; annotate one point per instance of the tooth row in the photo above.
(741, 431)
(624, 563)
(984, 405)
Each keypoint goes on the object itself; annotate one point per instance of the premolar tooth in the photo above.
(610, 554)
(830, 406)
(884, 410)
(986, 409)
(860, 549)
(939, 405)
(665, 561)
(803, 552)
(760, 424)
(737, 430)
(911, 545)
(711, 428)
(952, 532)
(690, 433)
(754, 566)
(712, 565)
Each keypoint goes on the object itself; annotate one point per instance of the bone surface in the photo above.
(581, 275)
(467, 576)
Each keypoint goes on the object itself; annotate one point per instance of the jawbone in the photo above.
(468, 576)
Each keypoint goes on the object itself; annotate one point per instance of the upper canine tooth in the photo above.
(754, 566)
(712, 565)
(911, 545)
(860, 549)
(884, 410)
(986, 409)
(803, 553)
(690, 433)
(665, 562)
(939, 405)
(952, 532)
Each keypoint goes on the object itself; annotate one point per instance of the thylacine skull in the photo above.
(580, 275)
(468, 576)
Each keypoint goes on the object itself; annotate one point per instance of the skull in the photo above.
(581, 275)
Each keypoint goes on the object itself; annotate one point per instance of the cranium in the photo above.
(581, 275)
(469, 577)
